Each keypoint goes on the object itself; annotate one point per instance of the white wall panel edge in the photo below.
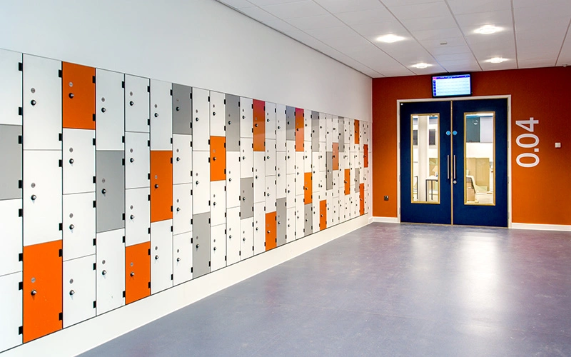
(541, 227)
(385, 219)
(91, 333)
(244, 57)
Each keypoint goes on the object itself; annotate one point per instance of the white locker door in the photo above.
(338, 182)
(259, 227)
(322, 128)
(299, 177)
(11, 311)
(271, 157)
(137, 160)
(79, 290)
(182, 208)
(271, 194)
(137, 104)
(78, 225)
(233, 235)
(137, 216)
(347, 209)
(109, 111)
(217, 114)
(201, 182)
(247, 238)
(347, 133)
(335, 128)
(322, 157)
(299, 217)
(281, 127)
(42, 103)
(182, 159)
(315, 170)
(78, 161)
(10, 89)
(307, 156)
(247, 159)
(11, 228)
(182, 257)
(307, 127)
(316, 214)
(218, 247)
(290, 157)
(161, 256)
(329, 133)
(291, 220)
(246, 117)
(42, 196)
(290, 191)
(270, 121)
(217, 203)
(110, 270)
(161, 115)
(232, 179)
(200, 119)
(281, 175)
(259, 176)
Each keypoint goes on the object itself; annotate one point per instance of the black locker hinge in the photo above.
(252, 248)
(20, 285)
(20, 183)
(192, 268)
(61, 316)
(190, 95)
(123, 161)
(149, 89)
(21, 257)
(123, 239)
(94, 242)
(172, 229)
(238, 104)
(94, 304)
(94, 202)
(171, 140)
(149, 284)
(20, 111)
(191, 192)
(123, 84)
(148, 121)
(59, 74)
(252, 105)
(94, 266)
(240, 253)
(264, 244)
(94, 80)
(149, 230)
(124, 292)
(172, 276)
(60, 137)
(149, 251)
(20, 66)
(60, 253)
(148, 143)
(171, 92)
(149, 195)
(60, 163)
(94, 119)
(209, 263)
(20, 330)
(171, 157)
(61, 226)
(123, 139)
(123, 216)
(208, 220)
(94, 141)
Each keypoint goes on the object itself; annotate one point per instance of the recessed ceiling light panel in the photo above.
(390, 38)
(497, 60)
(421, 65)
(487, 30)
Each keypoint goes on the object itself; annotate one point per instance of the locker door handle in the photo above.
(178, 209)
(71, 161)
(243, 198)
(33, 102)
(178, 159)
(103, 110)
(104, 272)
(156, 257)
(230, 180)
(448, 167)
(132, 216)
(71, 292)
(196, 119)
(132, 273)
(214, 248)
(197, 182)
(71, 226)
(244, 239)
(34, 292)
(230, 237)
(71, 95)
(178, 259)
(214, 158)
(197, 246)
(132, 160)
(34, 197)
(104, 191)
(156, 115)
(156, 185)
(177, 109)
(131, 103)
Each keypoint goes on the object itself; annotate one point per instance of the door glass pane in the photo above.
(479, 149)
(425, 151)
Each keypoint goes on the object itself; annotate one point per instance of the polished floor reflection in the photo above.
(385, 290)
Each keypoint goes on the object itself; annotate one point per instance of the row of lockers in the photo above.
(117, 187)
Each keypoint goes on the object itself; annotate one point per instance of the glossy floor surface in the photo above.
(385, 290)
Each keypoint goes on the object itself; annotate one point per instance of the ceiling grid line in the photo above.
(463, 34)
(563, 44)
(515, 33)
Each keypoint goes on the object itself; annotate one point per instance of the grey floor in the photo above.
(385, 290)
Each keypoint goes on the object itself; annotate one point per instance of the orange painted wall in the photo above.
(541, 194)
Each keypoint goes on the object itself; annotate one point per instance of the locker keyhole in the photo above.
(71, 95)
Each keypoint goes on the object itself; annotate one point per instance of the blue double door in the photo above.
(453, 162)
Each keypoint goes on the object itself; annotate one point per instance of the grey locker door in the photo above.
(137, 216)
(281, 221)
(11, 228)
(315, 131)
(329, 171)
(78, 161)
(290, 123)
(232, 123)
(10, 162)
(246, 117)
(78, 225)
(42, 103)
(308, 219)
(201, 120)
(341, 133)
(42, 196)
(11, 311)
(247, 197)
(10, 88)
(110, 190)
(110, 110)
(79, 296)
(181, 109)
(357, 180)
(201, 244)
(137, 106)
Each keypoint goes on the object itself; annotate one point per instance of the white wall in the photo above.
(201, 43)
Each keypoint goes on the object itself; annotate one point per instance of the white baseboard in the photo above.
(384, 220)
(84, 336)
(542, 227)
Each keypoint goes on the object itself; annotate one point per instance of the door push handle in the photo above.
(454, 167)
(448, 167)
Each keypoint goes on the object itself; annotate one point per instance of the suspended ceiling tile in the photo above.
(470, 22)
(419, 11)
(455, 57)
(372, 31)
(260, 15)
(270, 2)
(450, 41)
(315, 22)
(475, 6)
(448, 50)
(430, 23)
(406, 2)
(523, 63)
(454, 67)
(237, 4)
(339, 6)
(437, 34)
(295, 9)
(365, 17)
(429, 70)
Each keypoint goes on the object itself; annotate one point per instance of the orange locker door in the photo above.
(217, 158)
(322, 215)
(356, 131)
(366, 155)
(78, 96)
(137, 272)
(347, 181)
(259, 125)
(299, 125)
(43, 284)
(307, 188)
(161, 185)
(271, 230)
(362, 199)
(335, 156)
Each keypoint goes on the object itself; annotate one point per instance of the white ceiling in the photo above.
(438, 32)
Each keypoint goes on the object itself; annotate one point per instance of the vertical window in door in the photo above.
(479, 159)
(425, 158)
